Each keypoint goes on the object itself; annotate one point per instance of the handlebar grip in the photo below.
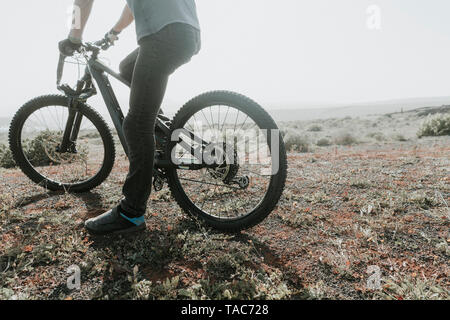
(60, 69)
(103, 44)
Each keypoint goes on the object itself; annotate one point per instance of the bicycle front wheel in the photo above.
(36, 142)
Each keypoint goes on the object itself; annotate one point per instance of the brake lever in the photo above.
(104, 44)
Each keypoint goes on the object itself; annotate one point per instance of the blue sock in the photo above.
(137, 221)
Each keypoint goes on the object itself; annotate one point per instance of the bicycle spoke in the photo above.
(206, 187)
(41, 137)
(225, 120)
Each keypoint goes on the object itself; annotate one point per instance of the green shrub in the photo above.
(223, 267)
(6, 158)
(295, 142)
(315, 128)
(345, 139)
(35, 149)
(324, 142)
(41, 151)
(438, 125)
(399, 137)
(377, 136)
(410, 288)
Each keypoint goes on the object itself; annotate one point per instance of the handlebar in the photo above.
(84, 88)
(94, 48)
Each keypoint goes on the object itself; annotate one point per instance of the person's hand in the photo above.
(112, 36)
(68, 48)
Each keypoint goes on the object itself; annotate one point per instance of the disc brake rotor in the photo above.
(229, 165)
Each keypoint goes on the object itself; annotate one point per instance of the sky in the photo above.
(285, 52)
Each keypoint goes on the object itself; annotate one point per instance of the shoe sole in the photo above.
(118, 232)
(138, 228)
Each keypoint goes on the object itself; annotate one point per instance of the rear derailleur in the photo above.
(158, 182)
(243, 182)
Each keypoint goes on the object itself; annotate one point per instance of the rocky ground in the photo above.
(366, 217)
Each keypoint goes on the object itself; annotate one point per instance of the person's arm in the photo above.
(84, 8)
(125, 20)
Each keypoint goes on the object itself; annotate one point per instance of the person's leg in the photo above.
(126, 67)
(147, 92)
(159, 56)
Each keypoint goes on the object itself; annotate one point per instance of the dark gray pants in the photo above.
(148, 69)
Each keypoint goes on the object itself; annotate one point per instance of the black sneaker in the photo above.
(114, 222)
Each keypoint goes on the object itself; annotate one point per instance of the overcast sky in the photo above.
(277, 52)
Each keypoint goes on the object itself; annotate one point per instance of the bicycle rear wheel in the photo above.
(36, 135)
(246, 187)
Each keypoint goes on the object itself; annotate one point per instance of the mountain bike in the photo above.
(62, 143)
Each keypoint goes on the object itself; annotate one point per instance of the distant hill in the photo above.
(357, 109)
(293, 112)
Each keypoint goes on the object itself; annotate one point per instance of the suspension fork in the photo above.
(72, 128)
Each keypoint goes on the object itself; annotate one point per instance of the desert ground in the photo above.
(364, 215)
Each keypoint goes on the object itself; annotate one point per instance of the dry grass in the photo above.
(345, 208)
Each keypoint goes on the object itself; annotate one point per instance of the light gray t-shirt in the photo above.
(153, 15)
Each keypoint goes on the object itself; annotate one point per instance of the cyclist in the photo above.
(168, 35)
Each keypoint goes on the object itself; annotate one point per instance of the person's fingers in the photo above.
(112, 37)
